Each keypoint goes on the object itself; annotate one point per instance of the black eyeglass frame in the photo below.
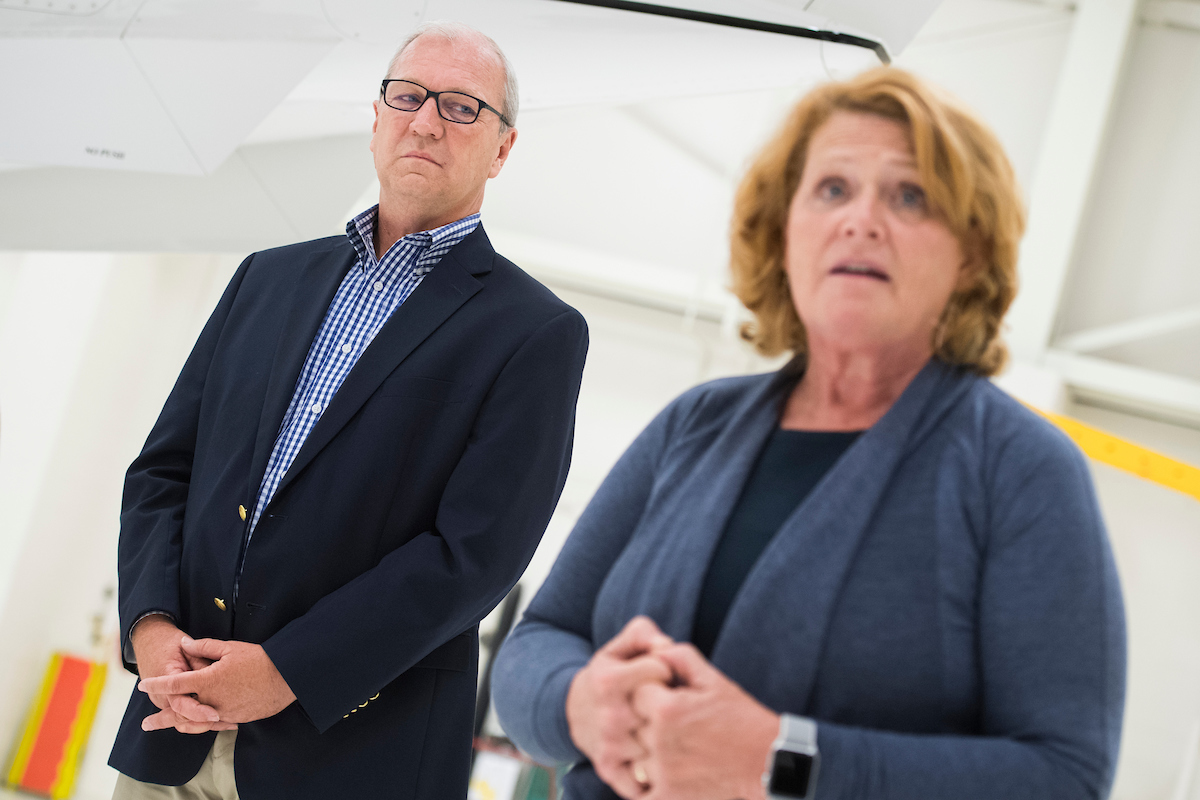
(437, 104)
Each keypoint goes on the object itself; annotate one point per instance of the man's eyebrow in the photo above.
(471, 92)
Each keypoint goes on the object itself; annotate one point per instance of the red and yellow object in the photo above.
(47, 758)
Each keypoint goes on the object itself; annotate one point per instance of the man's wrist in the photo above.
(146, 622)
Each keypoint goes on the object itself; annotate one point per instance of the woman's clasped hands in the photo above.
(658, 721)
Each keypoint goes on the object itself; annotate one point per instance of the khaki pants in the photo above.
(214, 781)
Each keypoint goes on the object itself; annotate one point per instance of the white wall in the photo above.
(119, 364)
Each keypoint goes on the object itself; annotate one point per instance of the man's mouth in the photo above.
(422, 156)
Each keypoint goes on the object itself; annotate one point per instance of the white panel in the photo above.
(1139, 246)
(216, 92)
(83, 102)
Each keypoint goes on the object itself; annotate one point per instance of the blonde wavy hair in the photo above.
(966, 177)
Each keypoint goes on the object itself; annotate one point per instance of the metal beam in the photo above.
(1134, 330)
(1087, 85)
(1179, 14)
(1133, 389)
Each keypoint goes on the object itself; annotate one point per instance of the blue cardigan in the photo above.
(944, 603)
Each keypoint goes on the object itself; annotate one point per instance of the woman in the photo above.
(876, 553)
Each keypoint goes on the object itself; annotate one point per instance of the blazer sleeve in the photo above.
(156, 488)
(491, 516)
(537, 662)
(1051, 638)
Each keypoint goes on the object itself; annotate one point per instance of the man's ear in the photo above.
(374, 124)
(506, 144)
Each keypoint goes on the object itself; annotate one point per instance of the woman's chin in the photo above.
(868, 336)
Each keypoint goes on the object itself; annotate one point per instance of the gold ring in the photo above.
(639, 775)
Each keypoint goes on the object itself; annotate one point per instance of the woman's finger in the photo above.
(688, 665)
(629, 675)
(639, 636)
(648, 699)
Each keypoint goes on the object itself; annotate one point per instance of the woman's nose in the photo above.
(863, 216)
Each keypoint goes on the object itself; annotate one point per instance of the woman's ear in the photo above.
(973, 263)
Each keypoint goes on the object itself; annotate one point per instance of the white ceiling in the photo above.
(174, 86)
(628, 193)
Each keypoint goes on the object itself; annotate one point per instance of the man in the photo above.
(355, 465)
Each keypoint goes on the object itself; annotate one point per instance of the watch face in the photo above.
(790, 773)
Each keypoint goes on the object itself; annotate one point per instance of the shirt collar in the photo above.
(361, 232)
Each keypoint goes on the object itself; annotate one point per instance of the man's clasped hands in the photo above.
(203, 685)
(658, 721)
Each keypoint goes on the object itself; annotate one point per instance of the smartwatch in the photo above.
(792, 764)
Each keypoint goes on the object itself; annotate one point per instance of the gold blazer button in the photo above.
(242, 512)
(220, 603)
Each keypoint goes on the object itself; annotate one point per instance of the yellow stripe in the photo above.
(34, 724)
(1127, 456)
(80, 728)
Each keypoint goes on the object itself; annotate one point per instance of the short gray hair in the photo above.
(455, 31)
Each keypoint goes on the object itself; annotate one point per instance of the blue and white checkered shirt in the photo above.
(370, 292)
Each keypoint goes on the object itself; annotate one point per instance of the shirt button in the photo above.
(316, 408)
(346, 348)
(379, 286)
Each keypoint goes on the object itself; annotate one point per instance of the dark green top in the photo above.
(790, 465)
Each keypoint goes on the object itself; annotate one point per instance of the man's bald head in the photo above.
(488, 49)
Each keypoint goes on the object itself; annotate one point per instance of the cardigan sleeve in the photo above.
(535, 665)
(1051, 638)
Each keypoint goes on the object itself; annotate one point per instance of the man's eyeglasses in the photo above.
(451, 106)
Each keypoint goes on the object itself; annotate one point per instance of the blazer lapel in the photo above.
(450, 284)
(314, 291)
(774, 633)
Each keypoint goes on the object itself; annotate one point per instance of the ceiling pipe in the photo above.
(741, 22)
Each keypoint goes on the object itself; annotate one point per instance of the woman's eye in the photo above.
(911, 197)
(832, 189)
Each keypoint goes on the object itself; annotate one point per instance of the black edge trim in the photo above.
(740, 22)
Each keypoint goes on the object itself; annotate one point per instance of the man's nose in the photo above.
(426, 120)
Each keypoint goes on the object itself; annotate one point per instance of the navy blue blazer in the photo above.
(410, 511)
(944, 603)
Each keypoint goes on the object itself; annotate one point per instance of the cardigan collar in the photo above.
(775, 626)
